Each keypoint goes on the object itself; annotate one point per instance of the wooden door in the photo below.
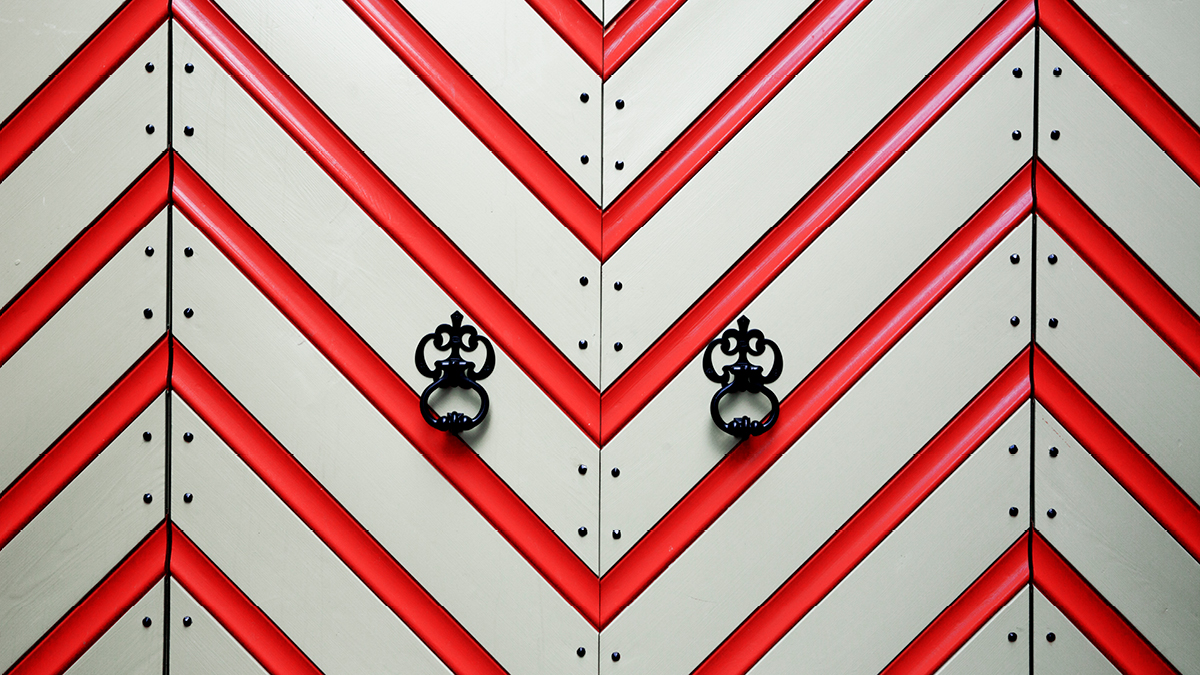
(970, 228)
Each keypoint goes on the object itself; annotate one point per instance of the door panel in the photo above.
(1070, 652)
(205, 646)
(990, 651)
(130, 647)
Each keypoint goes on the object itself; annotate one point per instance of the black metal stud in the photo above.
(146, 621)
(620, 104)
(188, 131)
(1054, 134)
(149, 128)
(1016, 134)
(1013, 511)
(619, 164)
(616, 656)
(1012, 637)
(583, 469)
(187, 67)
(618, 285)
(1053, 322)
(188, 312)
(1052, 258)
(1017, 72)
(618, 347)
(148, 313)
(583, 281)
(149, 67)
(584, 98)
(146, 436)
(581, 652)
(1012, 449)
(187, 621)
(583, 344)
(1051, 513)
(1057, 72)
(583, 531)
(1014, 258)
(187, 437)
(188, 251)
(147, 498)
(1016, 320)
(1054, 452)
(583, 159)
(616, 472)
(1050, 637)
(616, 534)
(149, 251)
(187, 498)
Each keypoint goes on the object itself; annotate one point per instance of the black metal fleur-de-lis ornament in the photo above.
(742, 375)
(454, 371)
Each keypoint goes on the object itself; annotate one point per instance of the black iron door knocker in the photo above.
(454, 371)
(743, 376)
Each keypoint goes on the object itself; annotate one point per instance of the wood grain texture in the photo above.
(205, 646)
(82, 350)
(352, 265)
(1118, 547)
(1153, 397)
(81, 535)
(857, 263)
(128, 648)
(83, 166)
(1120, 173)
(765, 170)
(1070, 652)
(368, 466)
(829, 473)
(990, 652)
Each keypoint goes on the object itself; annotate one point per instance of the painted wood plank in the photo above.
(40, 35)
(1120, 173)
(919, 570)
(1117, 546)
(875, 245)
(612, 8)
(81, 535)
(860, 443)
(128, 647)
(280, 563)
(757, 177)
(83, 166)
(369, 467)
(1070, 652)
(530, 71)
(1160, 37)
(82, 350)
(205, 646)
(436, 161)
(677, 73)
(354, 266)
(1154, 396)
(990, 652)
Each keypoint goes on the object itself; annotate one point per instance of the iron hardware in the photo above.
(743, 376)
(454, 371)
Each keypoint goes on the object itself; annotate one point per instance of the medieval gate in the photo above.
(970, 227)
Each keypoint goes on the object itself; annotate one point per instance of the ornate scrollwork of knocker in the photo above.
(454, 371)
(743, 376)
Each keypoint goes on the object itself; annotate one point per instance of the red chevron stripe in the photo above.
(82, 74)
(783, 243)
(1124, 83)
(1092, 615)
(815, 395)
(725, 118)
(874, 522)
(328, 519)
(237, 613)
(632, 27)
(958, 622)
(59, 465)
(1117, 453)
(355, 359)
(97, 612)
(81, 260)
(484, 117)
(391, 210)
(1120, 268)
(576, 26)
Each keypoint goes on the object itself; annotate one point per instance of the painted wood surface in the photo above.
(758, 176)
(82, 350)
(368, 466)
(83, 166)
(1160, 35)
(1117, 546)
(990, 652)
(1071, 652)
(1153, 397)
(436, 161)
(81, 535)
(129, 647)
(1120, 173)
(272, 556)
(857, 263)
(829, 473)
(40, 35)
(612, 8)
(358, 270)
(205, 646)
